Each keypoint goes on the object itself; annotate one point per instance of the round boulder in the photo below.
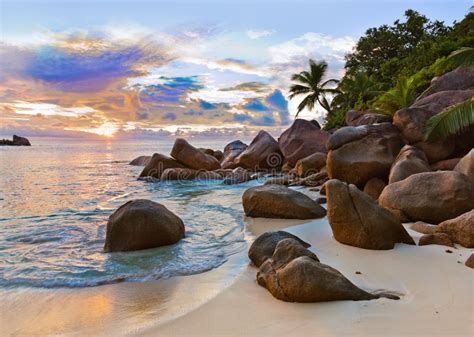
(142, 224)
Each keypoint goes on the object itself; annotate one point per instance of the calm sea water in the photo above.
(55, 199)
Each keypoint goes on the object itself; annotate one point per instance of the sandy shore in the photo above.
(436, 298)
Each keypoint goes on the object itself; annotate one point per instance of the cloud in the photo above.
(257, 34)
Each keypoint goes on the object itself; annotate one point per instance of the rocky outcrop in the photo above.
(436, 239)
(437, 151)
(466, 165)
(263, 153)
(357, 118)
(232, 151)
(357, 154)
(192, 157)
(157, 164)
(461, 78)
(310, 164)
(214, 153)
(409, 161)
(264, 246)
(357, 220)
(238, 176)
(142, 224)
(301, 139)
(294, 274)
(140, 161)
(17, 141)
(430, 196)
(459, 229)
(374, 187)
(277, 201)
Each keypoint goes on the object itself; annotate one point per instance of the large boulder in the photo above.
(466, 165)
(263, 153)
(356, 118)
(374, 188)
(232, 151)
(438, 101)
(357, 220)
(192, 157)
(302, 139)
(310, 164)
(461, 78)
(460, 229)
(430, 196)
(437, 151)
(360, 153)
(264, 246)
(140, 161)
(445, 165)
(157, 164)
(142, 224)
(218, 154)
(409, 161)
(277, 201)
(305, 279)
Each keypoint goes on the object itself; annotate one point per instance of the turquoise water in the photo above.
(55, 199)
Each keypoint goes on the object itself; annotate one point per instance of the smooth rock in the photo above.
(357, 118)
(430, 196)
(459, 229)
(239, 175)
(264, 246)
(461, 78)
(140, 161)
(311, 164)
(445, 165)
(192, 157)
(142, 224)
(374, 187)
(409, 161)
(470, 261)
(232, 151)
(466, 165)
(301, 139)
(277, 201)
(423, 227)
(436, 239)
(157, 164)
(357, 220)
(263, 153)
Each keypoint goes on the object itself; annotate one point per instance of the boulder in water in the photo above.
(192, 157)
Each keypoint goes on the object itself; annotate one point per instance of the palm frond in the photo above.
(298, 89)
(330, 81)
(450, 121)
(307, 102)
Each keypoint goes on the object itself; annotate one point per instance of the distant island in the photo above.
(17, 141)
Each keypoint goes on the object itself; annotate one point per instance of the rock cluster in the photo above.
(16, 141)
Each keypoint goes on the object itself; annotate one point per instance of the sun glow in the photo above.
(106, 129)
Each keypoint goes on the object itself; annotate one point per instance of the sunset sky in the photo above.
(162, 68)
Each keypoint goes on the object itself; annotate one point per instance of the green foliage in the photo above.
(310, 83)
(463, 57)
(451, 121)
(335, 120)
(402, 95)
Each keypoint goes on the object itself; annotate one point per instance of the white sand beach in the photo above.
(436, 291)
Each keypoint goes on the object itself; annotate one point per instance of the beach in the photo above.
(436, 297)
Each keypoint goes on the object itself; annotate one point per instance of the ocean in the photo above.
(56, 197)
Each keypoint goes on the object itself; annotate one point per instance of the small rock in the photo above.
(470, 261)
(436, 239)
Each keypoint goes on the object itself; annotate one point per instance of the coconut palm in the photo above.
(401, 96)
(310, 83)
(451, 121)
(355, 91)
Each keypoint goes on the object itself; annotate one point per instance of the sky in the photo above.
(166, 68)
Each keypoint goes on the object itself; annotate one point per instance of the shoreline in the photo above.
(227, 301)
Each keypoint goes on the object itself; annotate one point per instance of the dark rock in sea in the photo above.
(157, 164)
(357, 220)
(232, 151)
(311, 164)
(264, 246)
(436, 239)
(192, 157)
(409, 161)
(184, 174)
(142, 224)
(263, 153)
(140, 161)
(357, 118)
(459, 229)
(301, 139)
(374, 188)
(360, 153)
(430, 196)
(239, 175)
(17, 141)
(277, 201)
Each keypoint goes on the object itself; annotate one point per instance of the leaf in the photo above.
(450, 121)
(463, 57)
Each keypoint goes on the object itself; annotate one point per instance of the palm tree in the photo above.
(451, 121)
(355, 91)
(310, 84)
(401, 96)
